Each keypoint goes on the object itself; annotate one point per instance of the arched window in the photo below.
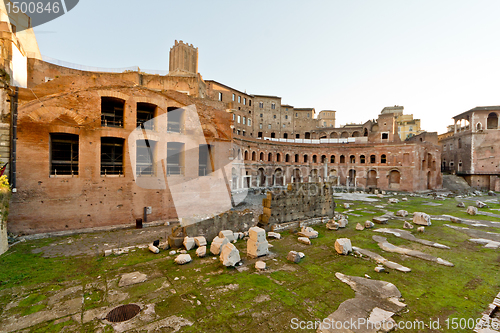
(332, 159)
(383, 159)
(323, 158)
(287, 158)
(362, 159)
(365, 132)
(342, 159)
(459, 143)
(315, 159)
(296, 158)
(373, 159)
(253, 156)
(479, 126)
(278, 157)
(305, 158)
(270, 157)
(492, 122)
(246, 155)
(352, 159)
(261, 156)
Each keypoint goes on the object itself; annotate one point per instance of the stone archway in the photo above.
(371, 179)
(394, 179)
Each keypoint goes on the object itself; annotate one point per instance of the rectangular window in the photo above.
(308, 115)
(234, 97)
(220, 96)
(111, 156)
(206, 165)
(244, 133)
(239, 119)
(112, 112)
(297, 136)
(286, 117)
(234, 116)
(244, 120)
(385, 136)
(259, 134)
(249, 102)
(274, 116)
(175, 158)
(444, 148)
(284, 125)
(245, 101)
(261, 115)
(451, 146)
(239, 99)
(411, 128)
(260, 126)
(145, 114)
(144, 158)
(296, 115)
(174, 119)
(64, 154)
(249, 122)
(269, 126)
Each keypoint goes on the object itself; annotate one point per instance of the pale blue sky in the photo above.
(436, 58)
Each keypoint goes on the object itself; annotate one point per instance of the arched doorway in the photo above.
(429, 187)
(352, 177)
(394, 179)
(314, 176)
(371, 179)
(492, 121)
(278, 177)
(296, 176)
(261, 178)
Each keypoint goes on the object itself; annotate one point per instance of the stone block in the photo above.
(183, 259)
(421, 218)
(304, 240)
(189, 243)
(471, 210)
(343, 246)
(229, 255)
(256, 249)
(369, 224)
(217, 244)
(402, 213)
(153, 248)
(257, 234)
(200, 241)
(201, 251)
(293, 256)
(360, 227)
(380, 219)
(260, 265)
(229, 234)
(274, 235)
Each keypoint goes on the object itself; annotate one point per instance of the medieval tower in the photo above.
(183, 59)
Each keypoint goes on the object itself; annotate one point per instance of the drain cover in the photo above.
(123, 313)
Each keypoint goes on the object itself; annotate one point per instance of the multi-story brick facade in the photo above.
(472, 149)
(78, 166)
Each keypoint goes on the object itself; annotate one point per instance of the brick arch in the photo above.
(115, 94)
(158, 101)
(51, 113)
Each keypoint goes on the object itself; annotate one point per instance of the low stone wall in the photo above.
(4, 244)
(301, 201)
(299, 224)
(232, 220)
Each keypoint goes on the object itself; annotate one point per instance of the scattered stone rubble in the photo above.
(183, 259)
(408, 236)
(489, 321)
(308, 232)
(407, 225)
(402, 213)
(294, 256)
(217, 244)
(229, 255)
(471, 210)
(304, 240)
(381, 260)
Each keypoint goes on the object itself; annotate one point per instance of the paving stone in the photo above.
(132, 278)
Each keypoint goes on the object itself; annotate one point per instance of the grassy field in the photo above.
(219, 299)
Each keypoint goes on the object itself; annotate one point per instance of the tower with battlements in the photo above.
(183, 59)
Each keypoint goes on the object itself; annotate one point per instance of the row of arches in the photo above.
(304, 158)
(324, 135)
(269, 177)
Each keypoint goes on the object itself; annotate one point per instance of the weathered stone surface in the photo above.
(407, 225)
(481, 204)
(108, 252)
(369, 224)
(461, 205)
(257, 234)
(379, 269)
(153, 248)
(381, 260)
(132, 278)
(332, 225)
(421, 218)
(173, 252)
(183, 259)
(342, 222)
(229, 234)
(491, 193)
(343, 246)
(256, 249)
(375, 301)
(404, 199)
(421, 229)
(360, 227)
(471, 210)
(402, 213)
(488, 243)
(188, 243)
(393, 200)
(386, 246)
(274, 235)
(217, 244)
(346, 205)
(301, 255)
(201, 251)
(304, 240)
(409, 236)
(229, 255)
(380, 219)
(260, 265)
(200, 241)
(293, 256)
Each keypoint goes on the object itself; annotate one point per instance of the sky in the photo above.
(435, 58)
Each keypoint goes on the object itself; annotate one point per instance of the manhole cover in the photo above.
(123, 313)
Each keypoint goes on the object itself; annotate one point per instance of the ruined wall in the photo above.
(232, 220)
(298, 202)
(407, 166)
(45, 202)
